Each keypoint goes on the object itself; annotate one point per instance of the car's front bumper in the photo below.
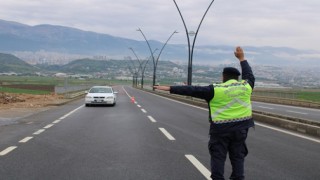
(99, 101)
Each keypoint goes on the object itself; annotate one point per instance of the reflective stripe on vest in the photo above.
(231, 102)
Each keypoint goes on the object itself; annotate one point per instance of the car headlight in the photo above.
(110, 97)
(89, 97)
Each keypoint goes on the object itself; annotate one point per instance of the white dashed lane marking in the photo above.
(152, 119)
(56, 121)
(167, 134)
(143, 110)
(8, 150)
(48, 126)
(204, 171)
(26, 139)
(39, 131)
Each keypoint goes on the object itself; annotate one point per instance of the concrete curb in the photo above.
(288, 124)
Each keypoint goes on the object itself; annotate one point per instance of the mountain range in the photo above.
(18, 37)
(10, 63)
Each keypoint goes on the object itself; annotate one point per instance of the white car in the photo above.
(103, 95)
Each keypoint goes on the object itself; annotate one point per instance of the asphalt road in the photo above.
(154, 138)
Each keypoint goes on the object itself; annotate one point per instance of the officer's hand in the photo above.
(163, 88)
(239, 53)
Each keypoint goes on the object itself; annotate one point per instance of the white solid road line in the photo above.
(26, 139)
(297, 112)
(204, 171)
(143, 110)
(167, 134)
(126, 92)
(152, 119)
(287, 132)
(56, 121)
(135, 102)
(265, 107)
(48, 126)
(39, 131)
(6, 151)
(69, 113)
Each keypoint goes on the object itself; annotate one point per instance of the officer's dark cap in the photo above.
(231, 71)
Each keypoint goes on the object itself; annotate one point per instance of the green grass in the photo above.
(309, 96)
(22, 91)
(312, 95)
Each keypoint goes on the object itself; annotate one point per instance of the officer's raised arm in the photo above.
(247, 73)
(239, 53)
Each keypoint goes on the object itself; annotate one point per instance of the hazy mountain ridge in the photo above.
(15, 37)
(108, 69)
(10, 63)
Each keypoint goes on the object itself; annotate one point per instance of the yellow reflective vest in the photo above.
(231, 102)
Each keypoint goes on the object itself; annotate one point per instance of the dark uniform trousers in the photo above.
(222, 143)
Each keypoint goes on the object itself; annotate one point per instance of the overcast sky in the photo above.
(289, 23)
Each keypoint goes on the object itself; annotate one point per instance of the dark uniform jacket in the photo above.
(207, 93)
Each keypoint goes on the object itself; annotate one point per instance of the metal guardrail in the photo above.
(71, 95)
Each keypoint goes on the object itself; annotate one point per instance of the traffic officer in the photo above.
(230, 115)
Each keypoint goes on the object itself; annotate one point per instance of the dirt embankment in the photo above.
(9, 100)
(14, 106)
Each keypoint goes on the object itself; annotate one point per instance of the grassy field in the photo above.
(298, 94)
(22, 91)
(309, 96)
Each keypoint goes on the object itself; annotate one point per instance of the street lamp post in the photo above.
(133, 76)
(135, 73)
(155, 61)
(144, 68)
(191, 47)
(141, 64)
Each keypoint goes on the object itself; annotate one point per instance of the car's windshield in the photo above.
(100, 90)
